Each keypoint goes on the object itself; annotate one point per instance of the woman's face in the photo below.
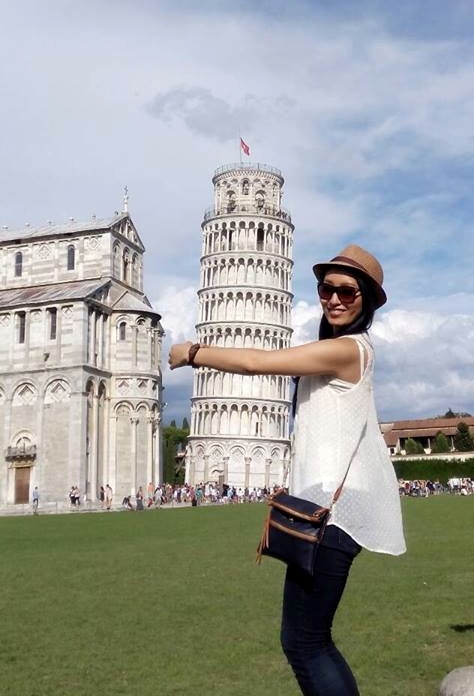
(340, 311)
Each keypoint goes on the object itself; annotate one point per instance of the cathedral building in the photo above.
(80, 378)
(239, 430)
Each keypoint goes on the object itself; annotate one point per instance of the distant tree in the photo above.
(174, 441)
(413, 447)
(185, 425)
(440, 444)
(463, 440)
(173, 424)
(454, 414)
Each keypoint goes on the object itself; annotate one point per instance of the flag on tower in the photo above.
(245, 147)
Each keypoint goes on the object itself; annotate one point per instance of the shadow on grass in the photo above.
(462, 628)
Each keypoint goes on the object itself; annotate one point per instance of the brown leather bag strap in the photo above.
(338, 490)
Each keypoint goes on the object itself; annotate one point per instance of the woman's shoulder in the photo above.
(362, 339)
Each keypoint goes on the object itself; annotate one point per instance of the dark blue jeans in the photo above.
(309, 605)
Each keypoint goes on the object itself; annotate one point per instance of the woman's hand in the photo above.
(179, 354)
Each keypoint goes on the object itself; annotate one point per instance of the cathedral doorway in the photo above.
(22, 484)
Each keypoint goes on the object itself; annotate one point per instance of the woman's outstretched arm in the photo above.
(333, 357)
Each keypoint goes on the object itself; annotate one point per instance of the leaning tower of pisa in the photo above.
(239, 431)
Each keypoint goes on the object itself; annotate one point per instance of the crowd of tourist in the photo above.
(211, 493)
(203, 493)
(422, 489)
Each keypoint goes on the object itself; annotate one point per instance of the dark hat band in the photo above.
(351, 262)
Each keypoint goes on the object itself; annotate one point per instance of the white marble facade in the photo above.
(80, 377)
(240, 424)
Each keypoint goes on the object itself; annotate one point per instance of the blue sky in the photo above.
(367, 108)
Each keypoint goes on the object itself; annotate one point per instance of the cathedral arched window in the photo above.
(116, 261)
(53, 317)
(135, 270)
(18, 264)
(245, 187)
(260, 200)
(71, 257)
(21, 326)
(231, 202)
(125, 266)
(122, 331)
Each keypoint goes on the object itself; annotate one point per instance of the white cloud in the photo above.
(178, 308)
(425, 363)
(369, 121)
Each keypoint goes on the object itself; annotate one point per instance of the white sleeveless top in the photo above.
(336, 423)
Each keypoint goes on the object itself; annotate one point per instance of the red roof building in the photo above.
(422, 431)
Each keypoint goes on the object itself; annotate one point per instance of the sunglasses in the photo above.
(346, 293)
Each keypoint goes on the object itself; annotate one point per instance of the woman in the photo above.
(335, 428)
(139, 498)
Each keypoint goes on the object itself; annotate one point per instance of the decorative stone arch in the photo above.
(236, 460)
(241, 271)
(256, 466)
(91, 386)
(198, 454)
(141, 408)
(234, 419)
(216, 463)
(214, 419)
(254, 421)
(232, 271)
(238, 338)
(57, 389)
(22, 438)
(102, 389)
(123, 409)
(248, 307)
(224, 419)
(228, 338)
(24, 394)
(122, 323)
(141, 320)
(221, 273)
(248, 338)
(245, 419)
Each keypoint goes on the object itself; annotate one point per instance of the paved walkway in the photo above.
(64, 508)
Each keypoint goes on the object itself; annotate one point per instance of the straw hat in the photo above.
(360, 260)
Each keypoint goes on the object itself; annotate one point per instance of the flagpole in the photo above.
(240, 148)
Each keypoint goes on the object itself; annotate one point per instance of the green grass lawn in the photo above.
(172, 602)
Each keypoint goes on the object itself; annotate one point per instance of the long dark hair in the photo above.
(361, 323)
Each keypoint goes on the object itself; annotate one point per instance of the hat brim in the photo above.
(320, 270)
